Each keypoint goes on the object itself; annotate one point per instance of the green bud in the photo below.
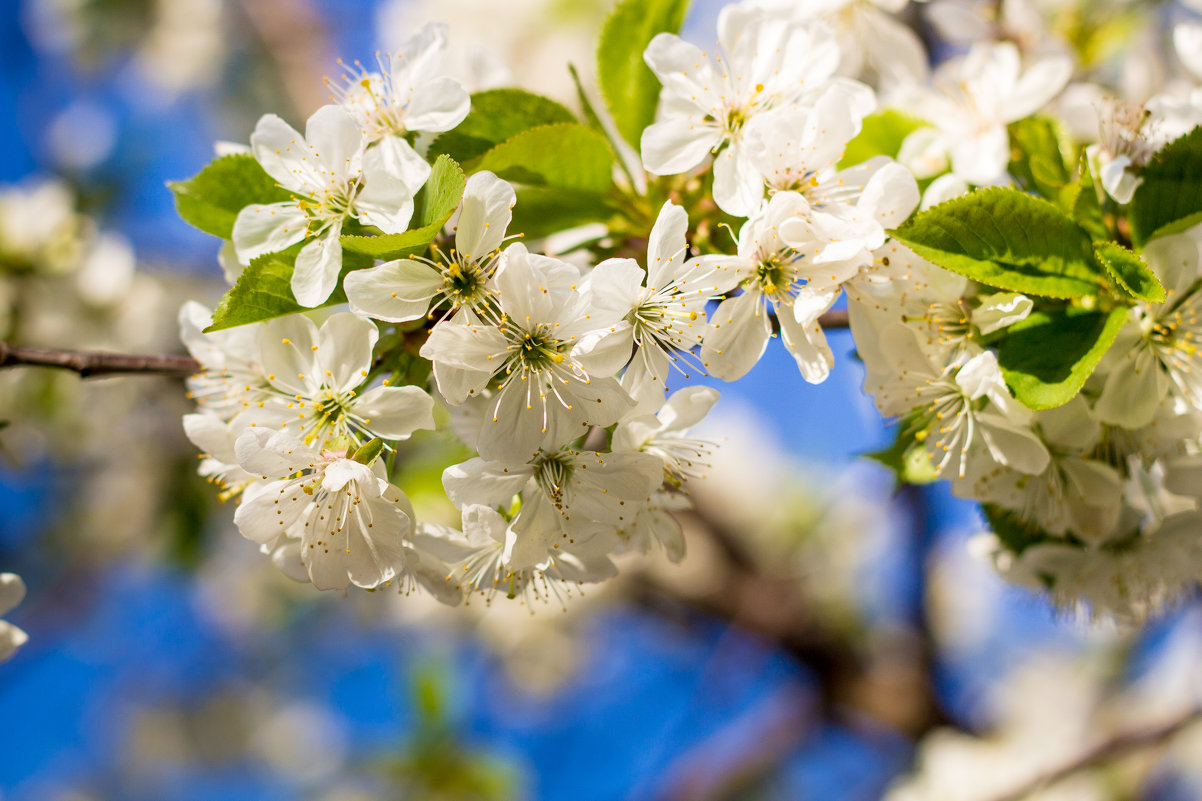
(368, 451)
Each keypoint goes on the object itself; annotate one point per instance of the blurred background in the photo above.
(827, 636)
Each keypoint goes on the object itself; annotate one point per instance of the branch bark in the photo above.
(99, 364)
(1119, 746)
(95, 363)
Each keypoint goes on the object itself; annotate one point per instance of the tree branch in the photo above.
(94, 363)
(834, 319)
(1119, 746)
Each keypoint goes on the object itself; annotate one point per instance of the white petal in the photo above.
(677, 144)
(1001, 310)
(890, 196)
(804, 338)
(317, 268)
(1042, 81)
(210, 434)
(1133, 391)
(337, 141)
(263, 229)
(982, 159)
(439, 105)
(273, 454)
(477, 481)
(11, 638)
(345, 343)
(486, 213)
(271, 512)
(279, 148)
(1012, 445)
(738, 185)
(395, 291)
(736, 338)
(666, 243)
(894, 50)
(286, 348)
(468, 347)
(685, 72)
(392, 174)
(686, 408)
(12, 591)
(345, 471)
(395, 412)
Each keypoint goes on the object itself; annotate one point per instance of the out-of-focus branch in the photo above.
(834, 319)
(293, 33)
(1117, 747)
(774, 607)
(95, 363)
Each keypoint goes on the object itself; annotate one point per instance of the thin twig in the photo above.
(95, 363)
(834, 319)
(1119, 746)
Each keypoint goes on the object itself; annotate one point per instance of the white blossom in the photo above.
(351, 524)
(316, 377)
(402, 290)
(547, 351)
(333, 179)
(662, 309)
(12, 590)
(763, 64)
(409, 94)
(569, 497)
(978, 95)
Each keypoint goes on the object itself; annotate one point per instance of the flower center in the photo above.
(552, 471)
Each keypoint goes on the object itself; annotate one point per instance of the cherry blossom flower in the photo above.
(333, 180)
(315, 377)
(663, 319)
(12, 590)
(764, 63)
(409, 94)
(978, 95)
(402, 290)
(547, 351)
(568, 497)
(351, 523)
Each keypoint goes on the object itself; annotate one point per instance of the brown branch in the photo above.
(1121, 745)
(834, 319)
(95, 363)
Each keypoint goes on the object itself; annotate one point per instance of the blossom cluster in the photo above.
(1020, 290)
(299, 420)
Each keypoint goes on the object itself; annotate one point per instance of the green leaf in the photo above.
(1080, 200)
(211, 199)
(264, 290)
(497, 115)
(630, 88)
(541, 211)
(1035, 158)
(1007, 239)
(433, 206)
(1171, 190)
(1129, 272)
(1014, 533)
(1184, 224)
(1046, 358)
(882, 135)
(564, 155)
(591, 117)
